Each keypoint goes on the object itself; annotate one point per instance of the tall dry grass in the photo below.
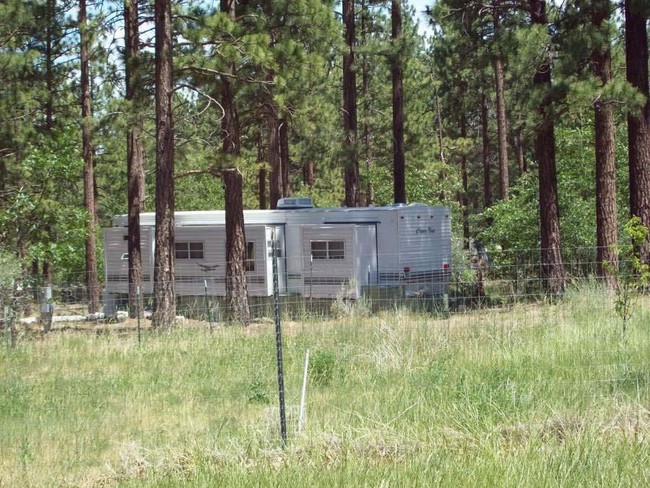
(536, 395)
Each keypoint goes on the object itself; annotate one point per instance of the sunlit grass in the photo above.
(537, 395)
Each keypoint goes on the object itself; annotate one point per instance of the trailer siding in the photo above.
(407, 246)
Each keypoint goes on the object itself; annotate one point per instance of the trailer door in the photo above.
(275, 237)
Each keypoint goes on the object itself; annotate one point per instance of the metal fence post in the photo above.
(278, 340)
(303, 394)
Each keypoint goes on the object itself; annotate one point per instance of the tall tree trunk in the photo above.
(49, 125)
(49, 106)
(229, 123)
(22, 255)
(463, 194)
(370, 191)
(49, 64)
(46, 317)
(638, 124)
(502, 121)
(261, 185)
(553, 273)
(351, 156)
(134, 155)
(308, 173)
(164, 295)
(606, 211)
(519, 151)
(92, 284)
(47, 273)
(272, 118)
(275, 178)
(399, 165)
(261, 173)
(502, 130)
(236, 283)
(487, 184)
(284, 157)
(236, 278)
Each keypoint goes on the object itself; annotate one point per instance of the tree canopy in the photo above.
(500, 101)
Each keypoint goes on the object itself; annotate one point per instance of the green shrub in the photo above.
(258, 391)
(322, 367)
(10, 274)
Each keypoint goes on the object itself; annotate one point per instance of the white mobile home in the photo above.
(322, 252)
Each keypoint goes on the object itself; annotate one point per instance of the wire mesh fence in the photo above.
(330, 287)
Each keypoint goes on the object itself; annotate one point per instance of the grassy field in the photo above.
(538, 395)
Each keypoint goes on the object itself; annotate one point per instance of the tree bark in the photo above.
(261, 185)
(502, 130)
(485, 134)
(638, 124)
(261, 173)
(164, 295)
(275, 179)
(134, 155)
(49, 64)
(236, 278)
(463, 195)
(92, 284)
(284, 157)
(308, 173)
(236, 283)
(351, 168)
(399, 164)
(553, 274)
(519, 151)
(230, 121)
(49, 111)
(370, 191)
(606, 209)
(502, 121)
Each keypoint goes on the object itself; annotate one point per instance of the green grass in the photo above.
(538, 395)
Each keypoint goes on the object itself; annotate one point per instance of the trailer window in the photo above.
(249, 263)
(189, 250)
(249, 258)
(327, 250)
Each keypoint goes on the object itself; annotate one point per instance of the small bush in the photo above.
(258, 391)
(322, 367)
(9, 274)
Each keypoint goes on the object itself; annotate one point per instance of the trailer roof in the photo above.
(269, 217)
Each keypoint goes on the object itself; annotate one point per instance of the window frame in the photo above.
(328, 249)
(188, 253)
(249, 257)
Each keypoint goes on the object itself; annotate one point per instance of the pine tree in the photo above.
(134, 151)
(604, 132)
(399, 164)
(164, 297)
(236, 279)
(551, 256)
(350, 108)
(89, 170)
(502, 130)
(638, 123)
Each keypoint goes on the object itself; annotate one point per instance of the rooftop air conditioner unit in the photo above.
(291, 203)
